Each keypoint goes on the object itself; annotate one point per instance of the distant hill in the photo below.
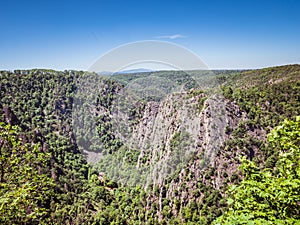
(139, 70)
(133, 71)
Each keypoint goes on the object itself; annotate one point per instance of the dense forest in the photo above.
(220, 147)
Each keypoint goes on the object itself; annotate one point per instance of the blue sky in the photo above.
(74, 34)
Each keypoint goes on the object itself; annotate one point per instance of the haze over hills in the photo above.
(139, 70)
(131, 71)
(164, 147)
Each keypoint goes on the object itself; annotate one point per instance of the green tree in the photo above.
(25, 191)
(269, 196)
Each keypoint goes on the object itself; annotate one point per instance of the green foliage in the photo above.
(25, 192)
(269, 196)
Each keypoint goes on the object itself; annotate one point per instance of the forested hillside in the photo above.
(196, 147)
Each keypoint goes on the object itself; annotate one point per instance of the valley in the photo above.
(156, 147)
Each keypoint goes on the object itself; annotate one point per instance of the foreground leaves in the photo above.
(25, 191)
(269, 196)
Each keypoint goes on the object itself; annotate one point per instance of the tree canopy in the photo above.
(269, 196)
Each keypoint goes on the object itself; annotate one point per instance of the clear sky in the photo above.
(74, 34)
